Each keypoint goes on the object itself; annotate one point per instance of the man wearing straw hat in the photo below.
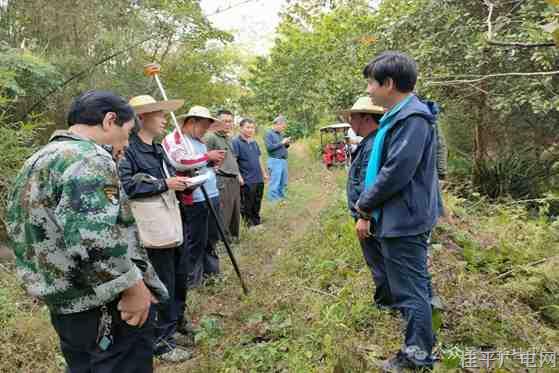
(364, 118)
(202, 235)
(146, 173)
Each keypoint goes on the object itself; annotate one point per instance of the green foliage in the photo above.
(314, 71)
(539, 288)
(210, 331)
(501, 238)
(516, 175)
(23, 77)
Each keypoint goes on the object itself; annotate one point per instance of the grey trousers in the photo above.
(230, 199)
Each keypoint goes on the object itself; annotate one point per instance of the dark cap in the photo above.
(91, 107)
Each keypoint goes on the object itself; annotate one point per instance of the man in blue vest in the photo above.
(401, 201)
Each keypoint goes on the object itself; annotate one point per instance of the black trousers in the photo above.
(202, 236)
(167, 265)
(251, 202)
(131, 351)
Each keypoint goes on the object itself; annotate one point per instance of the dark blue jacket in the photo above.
(357, 171)
(406, 189)
(274, 146)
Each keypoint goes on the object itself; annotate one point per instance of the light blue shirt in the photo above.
(211, 184)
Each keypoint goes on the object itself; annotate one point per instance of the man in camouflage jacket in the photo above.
(76, 244)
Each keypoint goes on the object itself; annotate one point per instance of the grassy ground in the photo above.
(310, 310)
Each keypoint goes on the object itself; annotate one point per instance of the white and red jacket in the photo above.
(183, 160)
(177, 153)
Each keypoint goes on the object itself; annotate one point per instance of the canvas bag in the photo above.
(158, 219)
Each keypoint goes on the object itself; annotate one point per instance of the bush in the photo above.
(515, 175)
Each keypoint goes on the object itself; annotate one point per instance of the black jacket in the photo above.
(140, 157)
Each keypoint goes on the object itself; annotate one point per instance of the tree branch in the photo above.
(521, 45)
(85, 71)
(485, 77)
(491, 41)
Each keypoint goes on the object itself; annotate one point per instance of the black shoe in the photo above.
(401, 362)
(386, 308)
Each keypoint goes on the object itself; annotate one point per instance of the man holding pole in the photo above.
(186, 160)
(201, 233)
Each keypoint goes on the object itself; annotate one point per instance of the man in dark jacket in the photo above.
(145, 172)
(364, 117)
(401, 201)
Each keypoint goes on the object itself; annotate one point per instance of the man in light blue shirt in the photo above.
(189, 155)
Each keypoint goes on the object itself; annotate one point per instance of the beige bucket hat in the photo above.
(198, 112)
(364, 105)
(147, 104)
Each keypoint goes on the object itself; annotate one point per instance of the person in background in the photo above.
(252, 170)
(229, 179)
(76, 248)
(277, 145)
(201, 233)
(146, 157)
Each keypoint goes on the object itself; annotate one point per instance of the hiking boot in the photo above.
(184, 340)
(401, 363)
(176, 355)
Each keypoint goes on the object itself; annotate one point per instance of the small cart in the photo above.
(333, 143)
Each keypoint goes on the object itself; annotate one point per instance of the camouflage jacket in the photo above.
(71, 229)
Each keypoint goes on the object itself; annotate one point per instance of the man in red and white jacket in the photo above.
(189, 155)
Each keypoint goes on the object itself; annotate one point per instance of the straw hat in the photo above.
(198, 112)
(364, 105)
(147, 104)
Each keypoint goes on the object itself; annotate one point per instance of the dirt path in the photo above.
(310, 186)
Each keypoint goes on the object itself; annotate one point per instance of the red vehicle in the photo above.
(335, 151)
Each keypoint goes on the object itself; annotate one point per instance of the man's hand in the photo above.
(363, 228)
(286, 141)
(266, 177)
(241, 180)
(135, 303)
(176, 183)
(216, 156)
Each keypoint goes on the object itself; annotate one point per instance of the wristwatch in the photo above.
(362, 214)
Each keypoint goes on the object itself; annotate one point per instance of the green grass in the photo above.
(309, 309)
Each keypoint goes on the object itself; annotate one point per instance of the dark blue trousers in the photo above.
(372, 252)
(201, 257)
(405, 272)
(131, 351)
